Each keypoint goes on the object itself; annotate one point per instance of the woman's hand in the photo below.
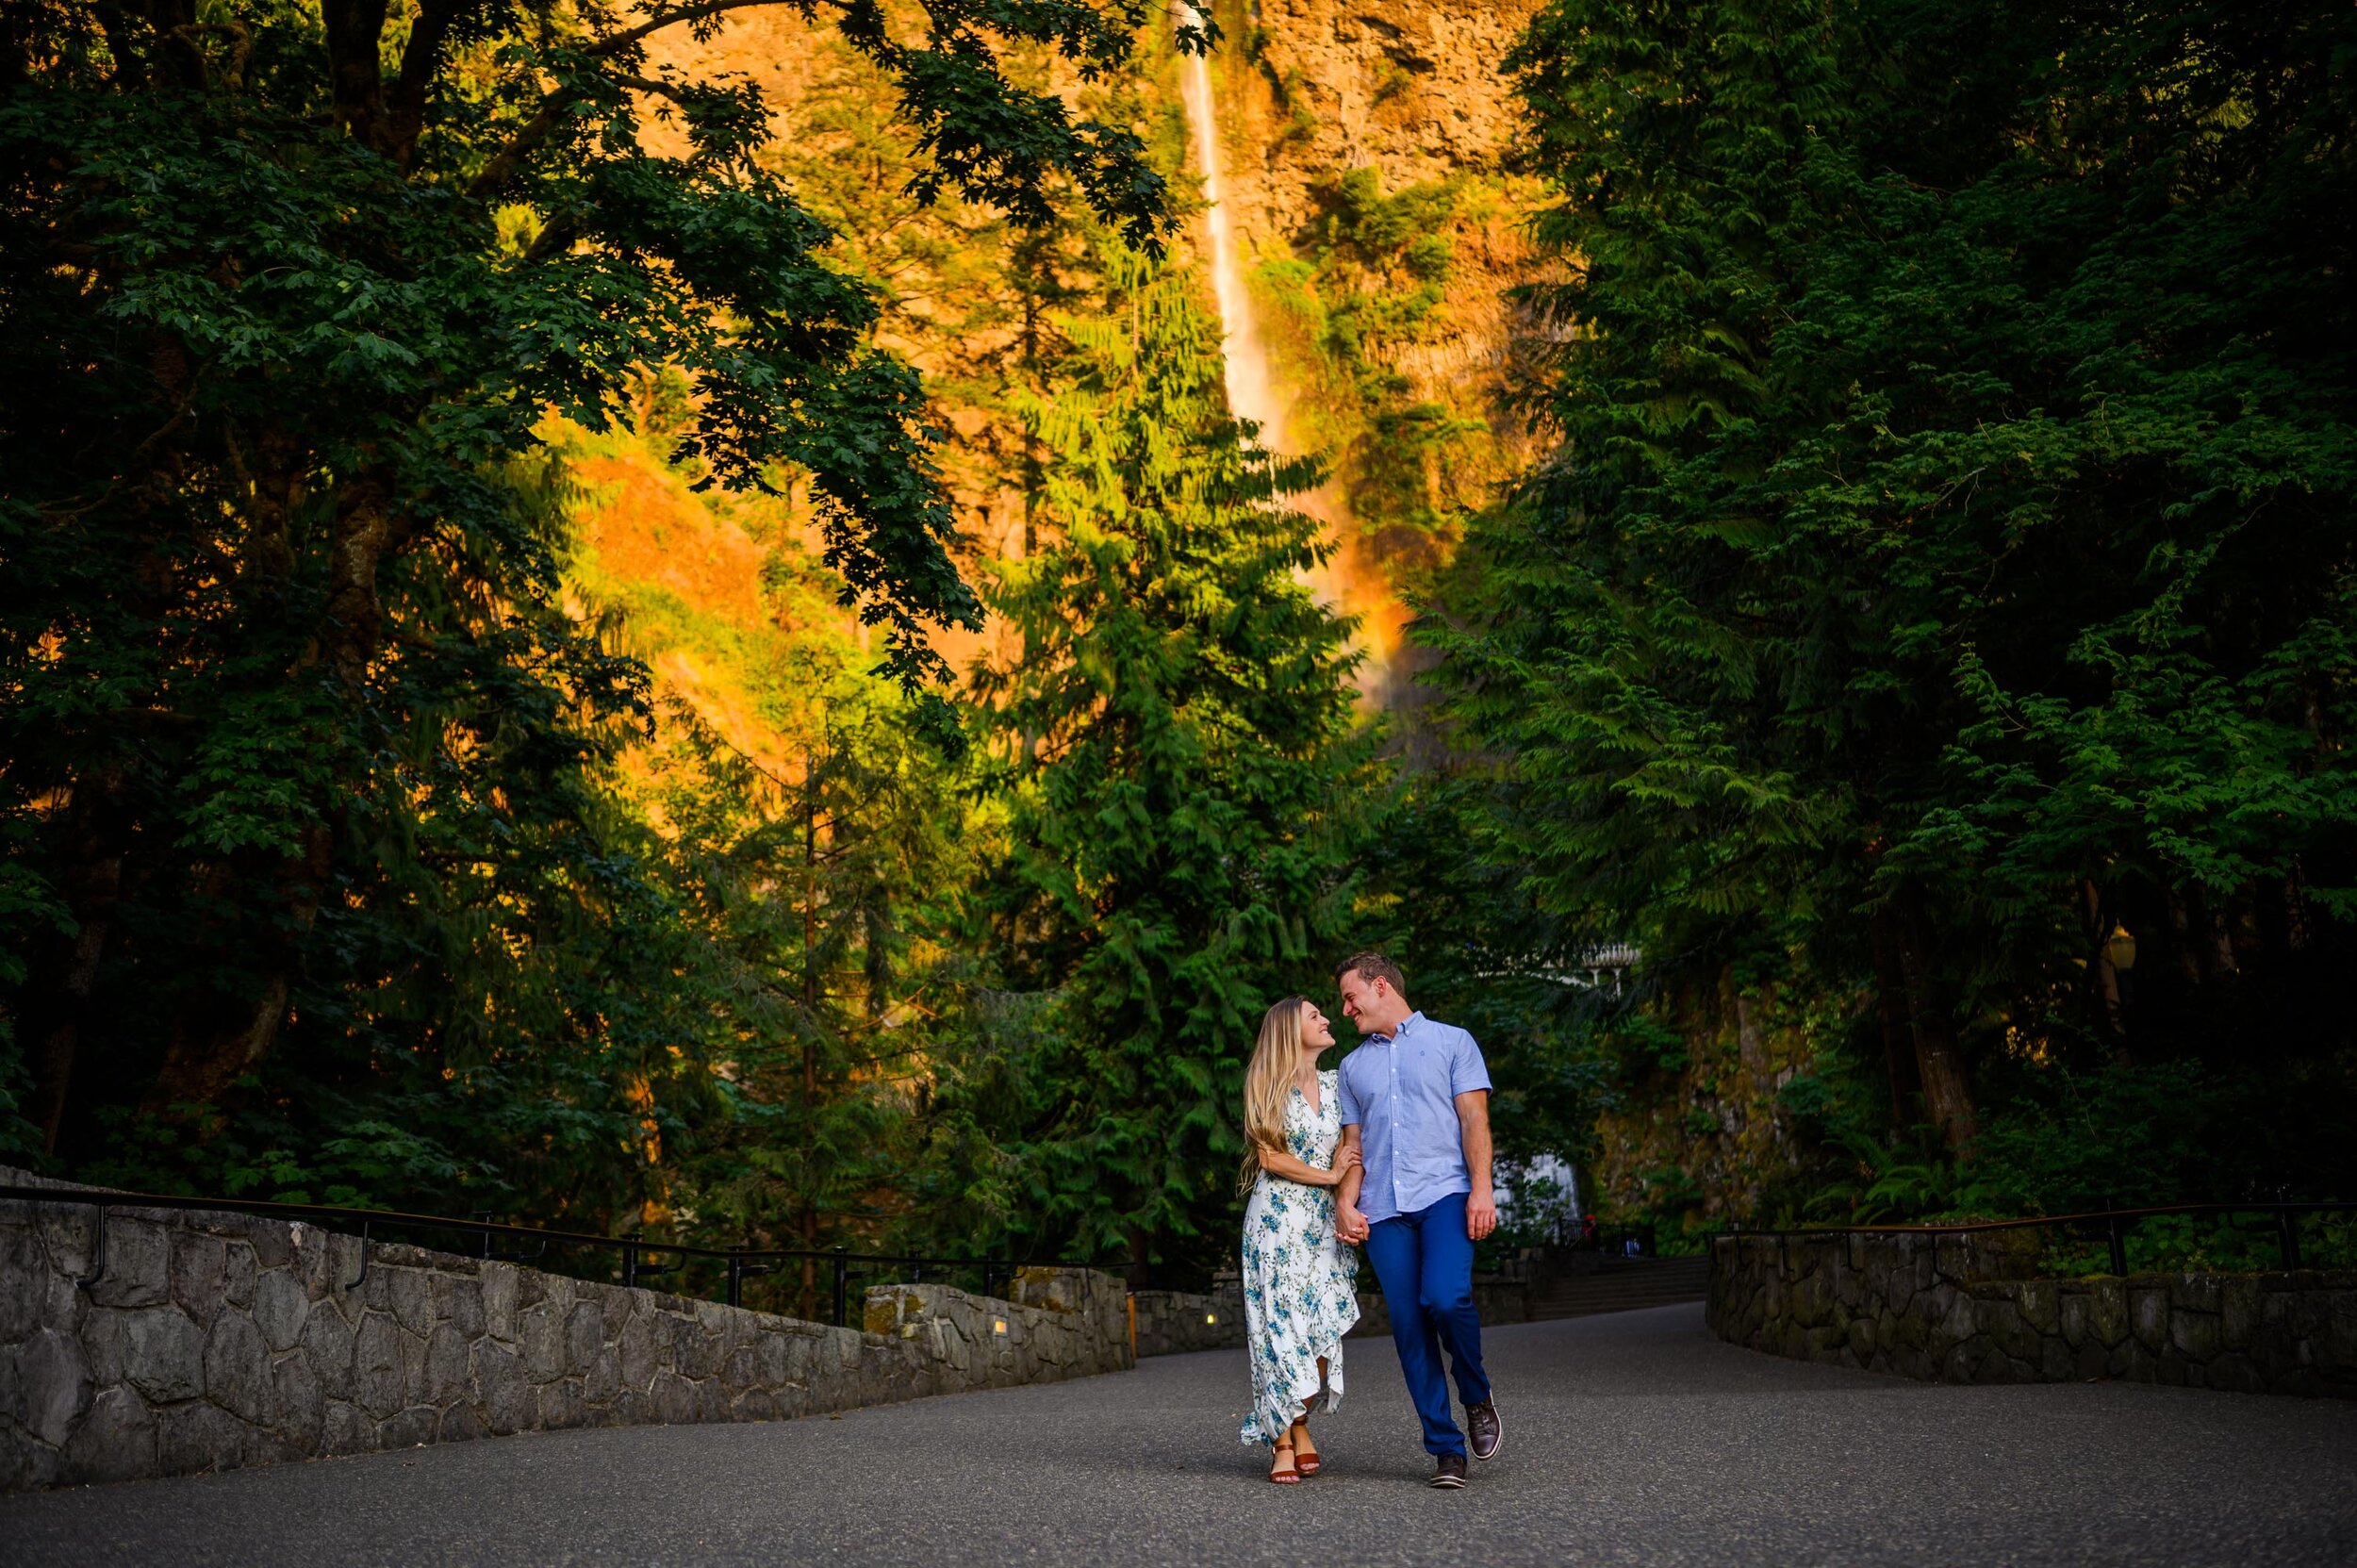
(1344, 1158)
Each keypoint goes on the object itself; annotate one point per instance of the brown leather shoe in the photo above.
(1450, 1471)
(1484, 1428)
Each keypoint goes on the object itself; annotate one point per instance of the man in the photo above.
(1415, 1104)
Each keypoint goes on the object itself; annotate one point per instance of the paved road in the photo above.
(1630, 1439)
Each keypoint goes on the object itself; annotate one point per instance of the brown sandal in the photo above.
(1307, 1460)
(1287, 1476)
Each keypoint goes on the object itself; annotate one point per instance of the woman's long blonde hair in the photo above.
(1275, 1059)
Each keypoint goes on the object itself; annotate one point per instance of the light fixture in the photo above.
(1210, 1317)
(997, 1325)
(2120, 947)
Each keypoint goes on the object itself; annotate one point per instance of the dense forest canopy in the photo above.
(1926, 634)
(1942, 591)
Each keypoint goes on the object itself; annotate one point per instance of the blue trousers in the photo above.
(1424, 1262)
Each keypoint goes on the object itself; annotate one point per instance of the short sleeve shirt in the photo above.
(1400, 1091)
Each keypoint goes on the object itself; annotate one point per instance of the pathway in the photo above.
(1630, 1439)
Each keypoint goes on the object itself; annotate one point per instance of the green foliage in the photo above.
(1945, 562)
(2119, 1136)
(1477, 953)
(2201, 1243)
(1890, 1182)
(1172, 741)
(1378, 284)
(812, 893)
(309, 819)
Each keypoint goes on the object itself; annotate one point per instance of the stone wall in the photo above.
(1170, 1322)
(1967, 1309)
(215, 1339)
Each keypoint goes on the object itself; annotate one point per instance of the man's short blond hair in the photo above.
(1374, 967)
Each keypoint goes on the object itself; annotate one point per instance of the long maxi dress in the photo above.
(1300, 1286)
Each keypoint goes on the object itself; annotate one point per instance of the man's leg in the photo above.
(1444, 1291)
(1394, 1247)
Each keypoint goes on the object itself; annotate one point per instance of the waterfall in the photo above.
(1343, 582)
(1251, 391)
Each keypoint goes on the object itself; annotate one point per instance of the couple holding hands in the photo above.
(1388, 1154)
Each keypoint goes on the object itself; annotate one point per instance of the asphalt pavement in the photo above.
(1629, 1439)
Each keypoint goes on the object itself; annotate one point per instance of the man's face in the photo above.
(1359, 996)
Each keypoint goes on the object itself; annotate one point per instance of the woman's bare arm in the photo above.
(1278, 1163)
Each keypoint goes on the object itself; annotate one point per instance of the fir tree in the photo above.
(812, 891)
(1945, 575)
(1177, 756)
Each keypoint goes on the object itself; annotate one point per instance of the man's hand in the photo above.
(1350, 1226)
(1481, 1213)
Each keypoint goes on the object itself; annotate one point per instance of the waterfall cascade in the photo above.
(1346, 583)
(1252, 392)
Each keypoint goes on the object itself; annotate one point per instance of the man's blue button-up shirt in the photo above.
(1400, 1091)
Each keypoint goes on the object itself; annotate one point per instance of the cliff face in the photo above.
(1366, 148)
(1717, 1129)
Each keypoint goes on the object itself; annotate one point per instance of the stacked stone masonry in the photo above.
(1965, 1308)
(1170, 1322)
(215, 1339)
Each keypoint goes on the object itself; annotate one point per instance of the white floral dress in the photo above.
(1300, 1286)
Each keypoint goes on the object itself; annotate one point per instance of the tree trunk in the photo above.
(1749, 1043)
(809, 1231)
(1141, 1268)
(2181, 933)
(1890, 1005)
(52, 1021)
(1947, 1090)
(215, 1046)
(210, 1051)
(2103, 972)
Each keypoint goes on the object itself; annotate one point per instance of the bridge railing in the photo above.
(641, 1257)
(2114, 1225)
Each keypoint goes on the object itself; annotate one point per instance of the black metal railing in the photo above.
(2114, 1225)
(642, 1259)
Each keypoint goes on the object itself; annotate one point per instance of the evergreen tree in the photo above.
(812, 891)
(303, 755)
(1175, 751)
(1945, 579)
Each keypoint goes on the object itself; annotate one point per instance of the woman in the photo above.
(1299, 1282)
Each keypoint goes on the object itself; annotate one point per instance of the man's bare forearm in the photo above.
(1346, 1195)
(1474, 1122)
